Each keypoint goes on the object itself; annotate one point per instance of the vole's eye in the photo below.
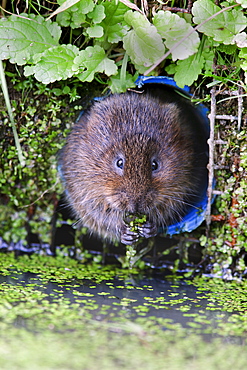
(120, 163)
(154, 165)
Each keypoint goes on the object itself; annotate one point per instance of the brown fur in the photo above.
(137, 128)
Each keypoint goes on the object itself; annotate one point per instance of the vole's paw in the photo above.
(128, 236)
(147, 230)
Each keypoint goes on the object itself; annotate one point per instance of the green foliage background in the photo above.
(57, 56)
(100, 34)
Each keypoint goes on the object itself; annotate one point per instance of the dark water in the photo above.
(171, 304)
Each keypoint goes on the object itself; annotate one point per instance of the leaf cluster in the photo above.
(107, 40)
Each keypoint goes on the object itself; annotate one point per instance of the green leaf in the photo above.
(118, 85)
(188, 70)
(98, 14)
(65, 5)
(71, 19)
(224, 26)
(243, 53)
(244, 67)
(243, 3)
(54, 64)
(173, 29)
(171, 69)
(143, 44)
(22, 37)
(93, 59)
(114, 24)
(75, 15)
(95, 31)
(83, 6)
(241, 40)
(227, 49)
(208, 55)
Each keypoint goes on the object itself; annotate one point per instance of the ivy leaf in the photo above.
(95, 31)
(54, 64)
(241, 40)
(143, 44)
(208, 55)
(243, 53)
(98, 14)
(71, 19)
(193, 67)
(243, 3)
(224, 26)
(227, 49)
(173, 29)
(244, 67)
(93, 59)
(114, 24)
(75, 15)
(23, 37)
(171, 69)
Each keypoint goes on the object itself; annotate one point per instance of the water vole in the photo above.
(134, 153)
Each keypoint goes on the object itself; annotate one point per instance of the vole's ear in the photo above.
(89, 124)
(82, 121)
(171, 112)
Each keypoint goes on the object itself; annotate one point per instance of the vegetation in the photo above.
(105, 35)
(58, 55)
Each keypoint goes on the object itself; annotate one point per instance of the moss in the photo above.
(227, 241)
(29, 195)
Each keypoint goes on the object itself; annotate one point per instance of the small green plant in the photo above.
(133, 255)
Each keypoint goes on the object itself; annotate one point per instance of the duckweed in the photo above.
(81, 307)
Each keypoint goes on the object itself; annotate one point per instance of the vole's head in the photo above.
(129, 154)
(139, 156)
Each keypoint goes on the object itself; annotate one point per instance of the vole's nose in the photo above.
(135, 205)
(132, 207)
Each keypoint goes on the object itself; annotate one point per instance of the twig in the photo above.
(212, 116)
(130, 5)
(144, 7)
(226, 117)
(240, 106)
(41, 196)
(176, 10)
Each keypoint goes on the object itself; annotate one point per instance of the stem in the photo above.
(124, 69)
(12, 122)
